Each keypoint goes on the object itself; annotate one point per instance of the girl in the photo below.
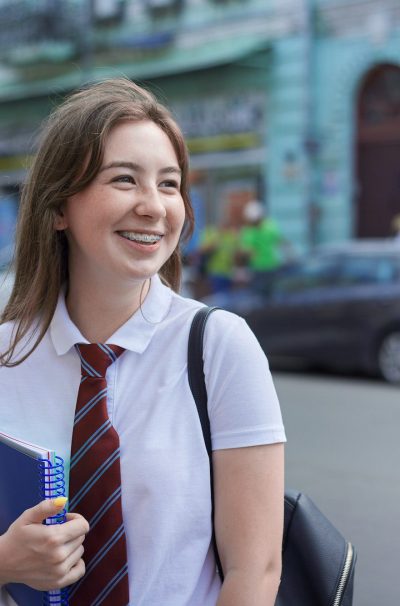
(97, 275)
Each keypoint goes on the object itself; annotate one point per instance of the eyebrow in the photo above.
(137, 168)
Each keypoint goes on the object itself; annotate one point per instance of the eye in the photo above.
(170, 183)
(123, 179)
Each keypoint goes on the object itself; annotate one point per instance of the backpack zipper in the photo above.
(344, 576)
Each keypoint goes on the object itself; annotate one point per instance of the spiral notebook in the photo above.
(29, 474)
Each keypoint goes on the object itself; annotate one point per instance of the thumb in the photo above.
(44, 509)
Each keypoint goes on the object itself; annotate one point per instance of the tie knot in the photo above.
(96, 358)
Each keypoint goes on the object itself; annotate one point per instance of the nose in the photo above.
(150, 204)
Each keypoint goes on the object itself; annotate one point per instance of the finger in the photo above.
(44, 509)
(74, 557)
(75, 573)
(71, 546)
(74, 528)
(72, 515)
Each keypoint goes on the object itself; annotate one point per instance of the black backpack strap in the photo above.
(196, 370)
(199, 391)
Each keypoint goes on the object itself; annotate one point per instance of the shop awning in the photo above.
(174, 60)
(181, 60)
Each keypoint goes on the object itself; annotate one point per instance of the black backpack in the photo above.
(317, 562)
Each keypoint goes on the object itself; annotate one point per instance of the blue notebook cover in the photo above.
(29, 474)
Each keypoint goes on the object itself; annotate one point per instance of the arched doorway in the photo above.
(378, 152)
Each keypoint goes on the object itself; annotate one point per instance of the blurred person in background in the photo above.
(218, 250)
(102, 215)
(261, 243)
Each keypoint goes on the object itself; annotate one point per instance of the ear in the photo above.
(60, 221)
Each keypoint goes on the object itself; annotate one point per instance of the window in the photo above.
(311, 274)
(368, 270)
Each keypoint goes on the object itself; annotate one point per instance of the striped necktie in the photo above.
(95, 485)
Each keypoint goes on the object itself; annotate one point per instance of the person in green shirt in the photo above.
(260, 240)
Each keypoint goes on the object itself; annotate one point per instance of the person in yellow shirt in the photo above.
(219, 246)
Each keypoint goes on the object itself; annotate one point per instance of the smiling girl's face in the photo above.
(127, 222)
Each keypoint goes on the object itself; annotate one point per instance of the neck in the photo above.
(98, 316)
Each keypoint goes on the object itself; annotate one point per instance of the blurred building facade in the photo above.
(295, 102)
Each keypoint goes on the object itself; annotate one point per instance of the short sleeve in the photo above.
(242, 402)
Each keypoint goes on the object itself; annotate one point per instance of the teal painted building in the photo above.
(293, 102)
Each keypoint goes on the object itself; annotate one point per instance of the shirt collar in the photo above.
(135, 335)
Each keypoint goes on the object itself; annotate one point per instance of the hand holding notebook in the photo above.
(40, 544)
(43, 557)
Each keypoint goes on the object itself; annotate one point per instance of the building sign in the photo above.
(225, 121)
(106, 9)
(375, 19)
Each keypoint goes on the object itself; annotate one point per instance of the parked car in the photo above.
(339, 308)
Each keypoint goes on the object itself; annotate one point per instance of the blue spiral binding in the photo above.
(52, 485)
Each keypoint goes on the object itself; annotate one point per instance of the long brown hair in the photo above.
(68, 158)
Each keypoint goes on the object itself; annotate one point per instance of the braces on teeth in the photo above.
(141, 237)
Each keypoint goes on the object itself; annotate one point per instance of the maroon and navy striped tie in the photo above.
(95, 485)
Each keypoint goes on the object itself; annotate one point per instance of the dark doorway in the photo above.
(378, 152)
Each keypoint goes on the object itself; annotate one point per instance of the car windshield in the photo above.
(313, 272)
(336, 271)
(369, 270)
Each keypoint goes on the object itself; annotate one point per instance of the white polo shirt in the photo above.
(164, 464)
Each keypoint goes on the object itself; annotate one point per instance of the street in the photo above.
(343, 450)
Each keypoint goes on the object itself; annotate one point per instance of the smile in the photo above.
(134, 236)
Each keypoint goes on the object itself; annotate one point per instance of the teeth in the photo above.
(134, 236)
